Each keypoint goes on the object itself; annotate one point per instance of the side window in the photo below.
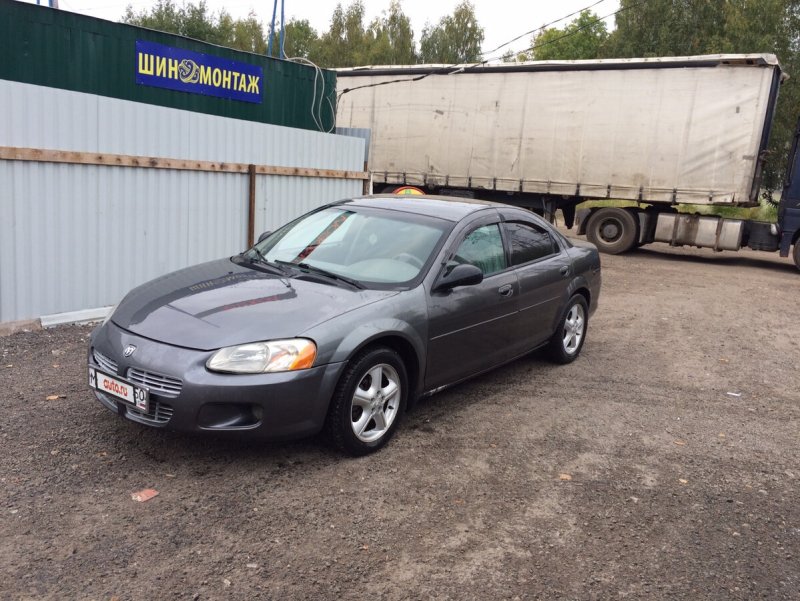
(483, 248)
(529, 242)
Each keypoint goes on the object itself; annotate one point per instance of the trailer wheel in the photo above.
(796, 253)
(612, 230)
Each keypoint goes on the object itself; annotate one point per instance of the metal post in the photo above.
(272, 29)
(251, 211)
(281, 53)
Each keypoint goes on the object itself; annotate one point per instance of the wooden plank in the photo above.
(115, 160)
(310, 172)
(12, 153)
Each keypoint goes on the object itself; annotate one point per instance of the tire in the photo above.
(796, 253)
(363, 417)
(567, 341)
(613, 230)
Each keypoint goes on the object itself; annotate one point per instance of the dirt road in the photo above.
(664, 463)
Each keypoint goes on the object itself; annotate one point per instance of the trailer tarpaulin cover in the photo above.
(661, 130)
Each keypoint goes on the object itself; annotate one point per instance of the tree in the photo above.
(668, 27)
(224, 32)
(164, 16)
(300, 40)
(389, 39)
(344, 44)
(200, 24)
(248, 34)
(197, 22)
(457, 38)
(583, 38)
(392, 38)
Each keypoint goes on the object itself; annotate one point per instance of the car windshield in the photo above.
(366, 245)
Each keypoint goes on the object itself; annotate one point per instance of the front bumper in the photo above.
(274, 406)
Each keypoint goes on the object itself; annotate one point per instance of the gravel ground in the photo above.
(664, 463)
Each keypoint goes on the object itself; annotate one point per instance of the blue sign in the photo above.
(187, 71)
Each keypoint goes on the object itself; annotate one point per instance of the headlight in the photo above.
(260, 357)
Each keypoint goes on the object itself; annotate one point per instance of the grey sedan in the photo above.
(343, 318)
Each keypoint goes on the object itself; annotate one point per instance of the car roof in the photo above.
(444, 207)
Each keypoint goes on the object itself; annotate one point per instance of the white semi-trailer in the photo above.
(551, 135)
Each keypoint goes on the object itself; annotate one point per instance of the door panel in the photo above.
(543, 288)
(472, 328)
(543, 269)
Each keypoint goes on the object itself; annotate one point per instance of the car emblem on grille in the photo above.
(129, 350)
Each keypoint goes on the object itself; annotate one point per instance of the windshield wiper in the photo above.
(323, 272)
(262, 260)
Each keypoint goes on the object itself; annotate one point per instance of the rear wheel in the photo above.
(567, 341)
(796, 254)
(369, 402)
(613, 230)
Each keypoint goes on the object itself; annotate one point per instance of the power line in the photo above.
(453, 69)
(545, 26)
(575, 31)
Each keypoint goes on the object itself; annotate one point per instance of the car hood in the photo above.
(222, 303)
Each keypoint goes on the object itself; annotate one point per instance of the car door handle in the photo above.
(506, 290)
(564, 270)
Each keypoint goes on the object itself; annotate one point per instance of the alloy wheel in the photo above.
(574, 326)
(376, 401)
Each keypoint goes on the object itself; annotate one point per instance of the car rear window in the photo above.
(529, 242)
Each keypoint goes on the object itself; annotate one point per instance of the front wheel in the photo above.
(368, 402)
(796, 254)
(567, 341)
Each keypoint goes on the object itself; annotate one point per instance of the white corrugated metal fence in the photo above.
(78, 236)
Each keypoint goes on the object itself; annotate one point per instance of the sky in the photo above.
(502, 20)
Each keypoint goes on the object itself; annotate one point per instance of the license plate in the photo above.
(119, 389)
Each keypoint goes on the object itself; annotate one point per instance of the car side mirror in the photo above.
(263, 235)
(465, 274)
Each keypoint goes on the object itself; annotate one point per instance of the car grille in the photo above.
(104, 362)
(158, 413)
(157, 383)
